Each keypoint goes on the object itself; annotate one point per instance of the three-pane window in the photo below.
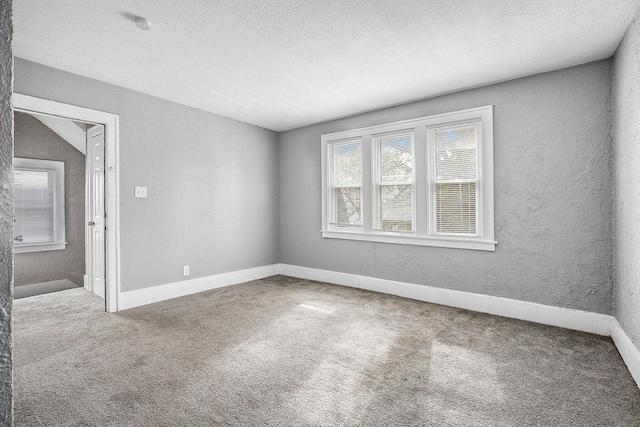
(427, 181)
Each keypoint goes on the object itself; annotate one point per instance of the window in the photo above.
(38, 189)
(427, 181)
(456, 165)
(395, 182)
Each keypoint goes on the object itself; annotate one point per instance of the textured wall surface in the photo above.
(212, 181)
(34, 140)
(552, 153)
(6, 214)
(626, 135)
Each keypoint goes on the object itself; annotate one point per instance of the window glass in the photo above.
(348, 182)
(456, 153)
(456, 159)
(34, 220)
(396, 183)
(38, 191)
(456, 208)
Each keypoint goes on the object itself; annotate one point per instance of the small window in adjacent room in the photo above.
(426, 181)
(38, 189)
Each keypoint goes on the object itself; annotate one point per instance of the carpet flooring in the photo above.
(290, 352)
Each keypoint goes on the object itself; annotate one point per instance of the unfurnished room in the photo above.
(320, 213)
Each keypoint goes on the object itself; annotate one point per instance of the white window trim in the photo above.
(424, 170)
(59, 241)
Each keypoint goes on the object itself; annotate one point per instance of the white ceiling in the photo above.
(283, 64)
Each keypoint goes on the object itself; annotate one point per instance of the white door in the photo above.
(95, 253)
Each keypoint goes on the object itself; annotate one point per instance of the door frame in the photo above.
(30, 104)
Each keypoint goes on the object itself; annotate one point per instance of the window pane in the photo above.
(396, 159)
(456, 208)
(347, 202)
(456, 153)
(34, 206)
(396, 207)
(348, 158)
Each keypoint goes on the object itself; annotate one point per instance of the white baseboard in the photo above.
(578, 320)
(627, 350)
(187, 287)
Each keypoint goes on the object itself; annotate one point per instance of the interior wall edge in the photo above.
(6, 214)
(625, 108)
(627, 350)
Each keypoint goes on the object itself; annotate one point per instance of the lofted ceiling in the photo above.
(283, 64)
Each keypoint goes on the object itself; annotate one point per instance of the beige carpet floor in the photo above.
(290, 352)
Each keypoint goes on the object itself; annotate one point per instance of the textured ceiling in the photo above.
(284, 64)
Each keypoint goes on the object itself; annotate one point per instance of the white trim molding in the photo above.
(627, 350)
(159, 293)
(539, 313)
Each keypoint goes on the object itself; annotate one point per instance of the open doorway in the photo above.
(66, 227)
(52, 240)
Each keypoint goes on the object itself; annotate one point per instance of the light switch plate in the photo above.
(141, 192)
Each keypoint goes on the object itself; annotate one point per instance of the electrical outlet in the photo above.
(185, 270)
(140, 192)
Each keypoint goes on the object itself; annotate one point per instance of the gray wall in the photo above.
(34, 140)
(6, 214)
(552, 153)
(626, 134)
(212, 181)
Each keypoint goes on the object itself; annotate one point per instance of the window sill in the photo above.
(441, 242)
(38, 247)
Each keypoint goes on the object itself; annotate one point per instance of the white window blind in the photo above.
(38, 189)
(347, 188)
(33, 192)
(456, 164)
(395, 182)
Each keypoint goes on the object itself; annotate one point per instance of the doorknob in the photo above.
(91, 223)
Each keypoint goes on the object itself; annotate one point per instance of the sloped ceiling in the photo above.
(282, 64)
(66, 129)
